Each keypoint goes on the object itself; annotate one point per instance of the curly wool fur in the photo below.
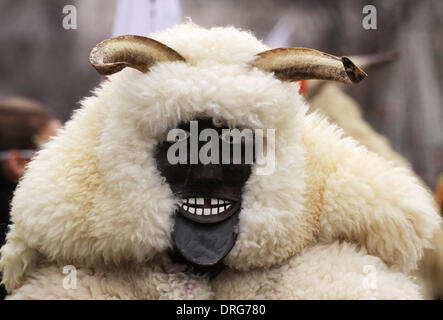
(94, 198)
(341, 109)
(344, 111)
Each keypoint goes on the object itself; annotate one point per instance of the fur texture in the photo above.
(342, 110)
(93, 197)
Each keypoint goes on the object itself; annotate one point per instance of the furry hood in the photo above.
(94, 197)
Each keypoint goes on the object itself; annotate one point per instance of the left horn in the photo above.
(141, 53)
(290, 64)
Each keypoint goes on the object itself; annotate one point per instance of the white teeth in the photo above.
(218, 206)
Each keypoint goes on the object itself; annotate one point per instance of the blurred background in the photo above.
(41, 60)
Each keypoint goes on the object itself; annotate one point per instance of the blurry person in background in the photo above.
(24, 126)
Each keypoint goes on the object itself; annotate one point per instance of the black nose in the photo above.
(205, 174)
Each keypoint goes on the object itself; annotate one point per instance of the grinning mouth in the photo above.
(205, 206)
(206, 210)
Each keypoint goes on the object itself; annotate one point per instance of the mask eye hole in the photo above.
(235, 137)
(227, 137)
(182, 135)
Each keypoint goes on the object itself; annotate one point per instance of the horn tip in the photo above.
(98, 59)
(354, 73)
(109, 68)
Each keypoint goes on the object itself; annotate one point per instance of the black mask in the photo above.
(206, 222)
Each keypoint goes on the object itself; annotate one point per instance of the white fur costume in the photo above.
(330, 214)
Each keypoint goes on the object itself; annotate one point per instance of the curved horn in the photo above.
(141, 53)
(303, 64)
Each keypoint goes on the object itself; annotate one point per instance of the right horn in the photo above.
(141, 53)
(291, 64)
